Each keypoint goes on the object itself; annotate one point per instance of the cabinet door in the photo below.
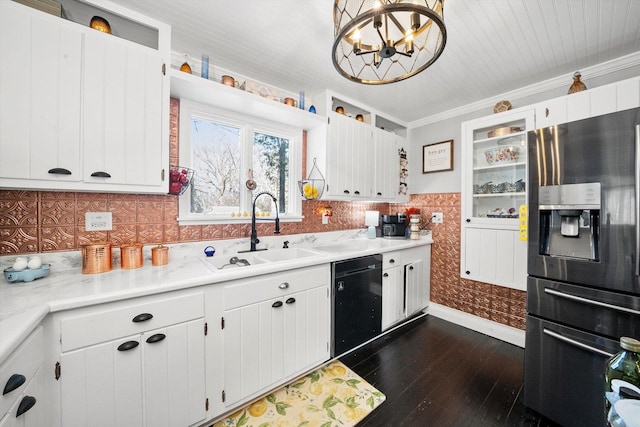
(252, 348)
(414, 289)
(122, 110)
(350, 158)
(306, 329)
(173, 370)
(495, 256)
(392, 296)
(101, 385)
(551, 112)
(40, 75)
(386, 166)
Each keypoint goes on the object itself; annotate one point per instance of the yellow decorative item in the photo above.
(332, 395)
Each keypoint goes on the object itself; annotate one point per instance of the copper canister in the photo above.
(96, 257)
(160, 255)
(131, 256)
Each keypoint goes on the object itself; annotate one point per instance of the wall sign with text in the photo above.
(437, 157)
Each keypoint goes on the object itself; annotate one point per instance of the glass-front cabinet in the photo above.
(494, 194)
(495, 166)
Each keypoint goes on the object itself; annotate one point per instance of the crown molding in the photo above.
(558, 82)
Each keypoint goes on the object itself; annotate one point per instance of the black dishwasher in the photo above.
(356, 302)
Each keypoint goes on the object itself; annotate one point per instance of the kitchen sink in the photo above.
(275, 255)
(230, 261)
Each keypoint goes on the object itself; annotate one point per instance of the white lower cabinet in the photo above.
(496, 256)
(274, 327)
(138, 363)
(23, 402)
(406, 280)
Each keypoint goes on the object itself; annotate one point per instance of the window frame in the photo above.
(248, 126)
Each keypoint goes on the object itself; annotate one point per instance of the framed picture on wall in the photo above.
(437, 157)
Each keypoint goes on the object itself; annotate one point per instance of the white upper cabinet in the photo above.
(593, 102)
(40, 71)
(357, 152)
(81, 109)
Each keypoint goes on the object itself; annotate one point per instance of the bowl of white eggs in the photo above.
(26, 269)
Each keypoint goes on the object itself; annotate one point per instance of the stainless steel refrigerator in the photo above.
(583, 288)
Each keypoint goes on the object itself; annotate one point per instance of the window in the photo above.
(226, 150)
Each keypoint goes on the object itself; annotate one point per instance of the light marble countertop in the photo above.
(23, 305)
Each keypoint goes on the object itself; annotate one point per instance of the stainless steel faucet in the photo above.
(254, 232)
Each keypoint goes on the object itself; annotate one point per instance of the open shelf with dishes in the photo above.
(497, 174)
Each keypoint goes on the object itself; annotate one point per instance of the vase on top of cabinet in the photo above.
(494, 195)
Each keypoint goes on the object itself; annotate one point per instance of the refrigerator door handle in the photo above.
(637, 207)
(575, 343)
(590, 301)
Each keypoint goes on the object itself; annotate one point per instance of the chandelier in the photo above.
(385, 41)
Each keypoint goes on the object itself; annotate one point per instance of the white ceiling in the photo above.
(493, 46)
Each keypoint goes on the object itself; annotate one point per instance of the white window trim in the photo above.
(189, 109)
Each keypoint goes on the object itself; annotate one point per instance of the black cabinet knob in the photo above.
(14, 381)
(346, 191)
(356, 192)
(142, 317)
(277, 304)
(100, 174)
(468, 220)
(391, 261)
(26, 403)
(59, 171)
(467, 272)
(290, 300)
(129, 345)
(379, 193)
(156, 338)
(385, 275)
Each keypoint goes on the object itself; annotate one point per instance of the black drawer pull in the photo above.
(26, 403)
(14, 381)
(59, 171)
(385, 275)
(356, 192)
(100, 174)
(290, 300)
(143, 317)
(379, 193)
(391, 261)
(129, 345)
(346, 191)
(411, 267)
(156, 338)
(277, 304)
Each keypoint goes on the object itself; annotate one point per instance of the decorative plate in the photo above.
(502, 106)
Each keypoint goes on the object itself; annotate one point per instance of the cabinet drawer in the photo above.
(392, 259)
(274, 285)
(92, 325)
(25, 361)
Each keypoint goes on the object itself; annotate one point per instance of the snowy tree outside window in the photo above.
(226, 149)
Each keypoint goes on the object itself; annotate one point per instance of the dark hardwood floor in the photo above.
(436, 373)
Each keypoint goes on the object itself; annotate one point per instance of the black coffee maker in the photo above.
(394, 226)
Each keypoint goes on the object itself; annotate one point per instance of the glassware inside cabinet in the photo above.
(499, 170)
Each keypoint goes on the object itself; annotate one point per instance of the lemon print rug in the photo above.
(331, 396)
